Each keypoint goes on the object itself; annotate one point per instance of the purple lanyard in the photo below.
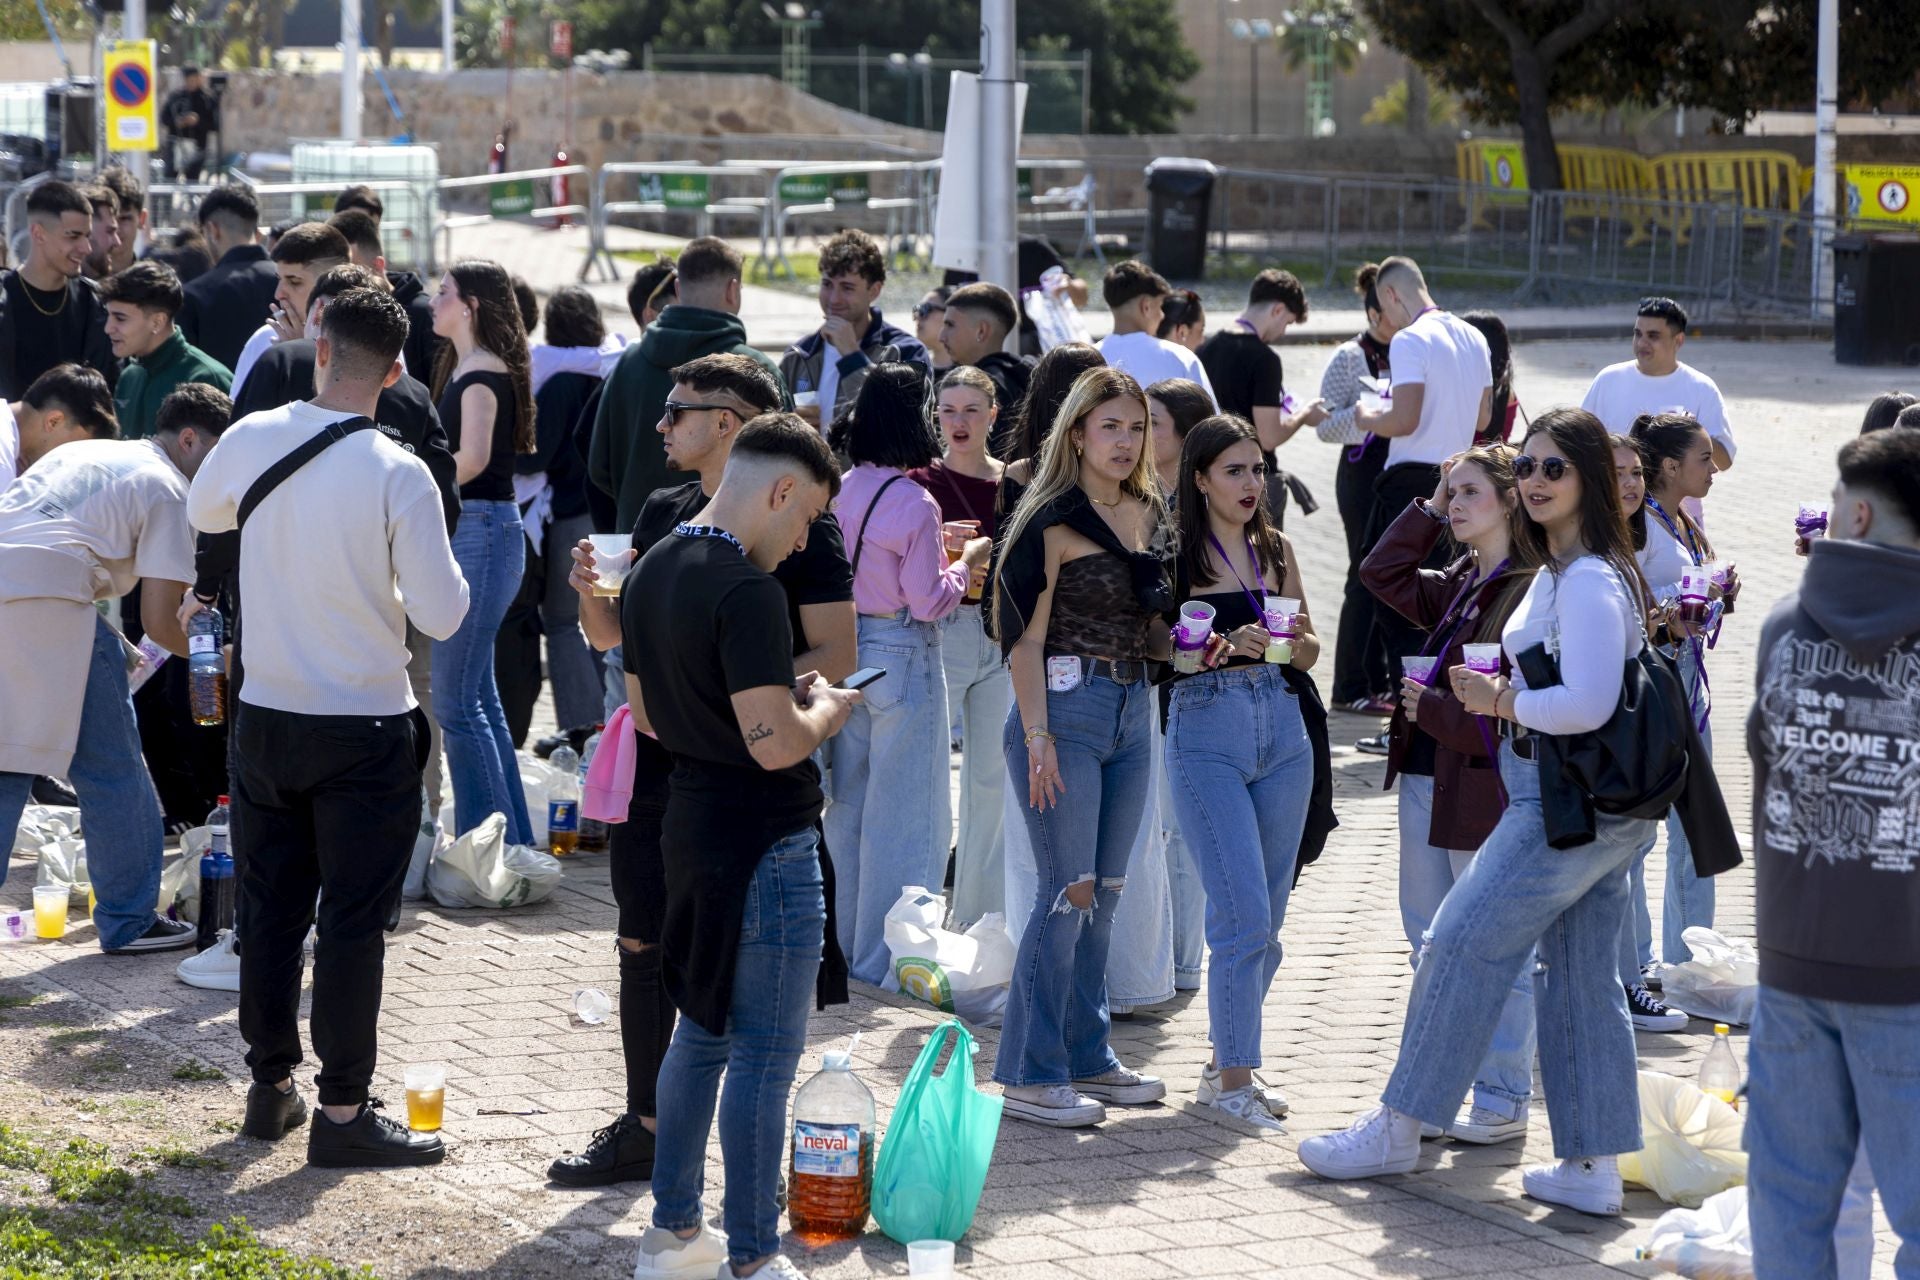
(1693, 548)
(1702, 698)
(1259, 609)
(1437, 642)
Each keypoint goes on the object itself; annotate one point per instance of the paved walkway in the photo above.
(1157, 1192)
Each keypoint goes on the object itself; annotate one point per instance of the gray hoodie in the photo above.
(1835, 738)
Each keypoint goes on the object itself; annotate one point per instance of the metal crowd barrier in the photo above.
(504, 204)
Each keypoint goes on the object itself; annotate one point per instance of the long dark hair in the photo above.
(888, 424)
(488, 289)
(1884, 410)
(1500, 353)
(1664, 436)
(1203, 446)
(1588, 451)
(1047, 390)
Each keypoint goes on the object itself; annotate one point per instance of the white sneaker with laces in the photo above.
(1380, 1142)
(1591, 1186)
(665, 1256)
(1123, 1086)
(1246, 1105)
(778, 1267)
(1485, 1126)
(215, 969)
(1058, 1106)
(1276, 1101)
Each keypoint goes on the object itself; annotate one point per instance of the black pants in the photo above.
(1359, 657)
(1396, 487)
(516, 652)
(327, 806)
(640, 892)
(188, 761)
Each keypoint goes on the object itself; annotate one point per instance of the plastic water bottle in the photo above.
(216, 879)
(1720, 1069)
(563, 803)
(206, 668)
(830, 1173)
(594, 834)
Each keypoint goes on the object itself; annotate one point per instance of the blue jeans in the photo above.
(892, 810)
(573, 667)
(1823, 1077)
(1519, 891)
(1056, 1026)
(119, 812)
(613, 672)
(1689, 899)
(492, 553)
(782, 933)
(1188, 894)
(1241, 770)
(1427, 874)
(979, 690)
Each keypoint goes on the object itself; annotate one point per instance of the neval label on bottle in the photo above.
(563, 815)
(827, 1150)
(207, 643)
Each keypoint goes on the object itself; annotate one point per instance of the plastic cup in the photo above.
(1419, 667)
(591, 1005)
(1484, 658)
(50, 910)
(930, 1258)
(610, 561)
(426, 1084)
(1190, 636)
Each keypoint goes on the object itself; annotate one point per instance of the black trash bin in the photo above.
(1179, 199)
(1876, 299)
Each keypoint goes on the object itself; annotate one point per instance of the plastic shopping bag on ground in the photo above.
(481, 869)
(42, 823)
(428, 843)
(62, 860)
(1693, 1142)
(1712, 1242)
(963, 973)
(933, 1160)
(536, 777)
(1720, 984)
(180, 876)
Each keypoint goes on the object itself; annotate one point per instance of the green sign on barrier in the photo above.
(811, 188)
(512, 199)
(675, 190)
(1023, 184)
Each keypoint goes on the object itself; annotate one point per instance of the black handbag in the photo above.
(1634, 765)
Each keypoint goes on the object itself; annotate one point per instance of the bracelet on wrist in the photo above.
(1038, 733)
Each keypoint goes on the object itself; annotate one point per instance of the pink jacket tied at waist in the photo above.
(609, 789)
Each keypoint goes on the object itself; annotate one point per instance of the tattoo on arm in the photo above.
(758, 733)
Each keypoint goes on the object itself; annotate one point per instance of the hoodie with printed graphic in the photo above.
(1835, 738)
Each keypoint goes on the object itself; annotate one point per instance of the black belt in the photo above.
(1122, 672)
(1524, 741)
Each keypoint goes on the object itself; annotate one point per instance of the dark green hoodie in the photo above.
(626, 457)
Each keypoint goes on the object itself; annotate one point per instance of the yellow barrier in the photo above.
(1492, 171)
(1761, 179)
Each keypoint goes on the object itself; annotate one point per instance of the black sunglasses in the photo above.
(1552, 468)
(921, 310)
(674, 408)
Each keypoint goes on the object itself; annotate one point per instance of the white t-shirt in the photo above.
(1620, 393)
(9, 445)
(1586, 617)
(1149, 360)
(1449, 358)
(257, 345)
(1663, 560)
(332, 564)
(120, 503)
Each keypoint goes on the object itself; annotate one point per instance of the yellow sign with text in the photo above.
(1883, 192)
(132, 119)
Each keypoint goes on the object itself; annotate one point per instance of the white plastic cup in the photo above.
(610, 561)
(930, 1258)
(591, 1005)
(1196, 623)
(1419, 667)
(1484, 658)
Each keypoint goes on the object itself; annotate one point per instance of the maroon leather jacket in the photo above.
(1467, 796)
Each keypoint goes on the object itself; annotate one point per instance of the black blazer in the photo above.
(224, 306)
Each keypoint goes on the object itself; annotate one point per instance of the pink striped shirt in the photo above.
(904, 562)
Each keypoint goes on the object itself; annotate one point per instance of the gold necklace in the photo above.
(65, 293)
(1114, 505)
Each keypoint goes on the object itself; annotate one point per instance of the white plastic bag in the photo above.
(40, 823)
(1693, 1142)
(1712, 1242)
(481, 869)
(63, 861)
(1720, 984)
(961, 973)
(428, 843)
(180, 877)
(536, 777)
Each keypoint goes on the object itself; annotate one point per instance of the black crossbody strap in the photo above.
(273, 476)
(861, 541)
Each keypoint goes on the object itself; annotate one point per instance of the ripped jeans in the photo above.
(1056, 1026)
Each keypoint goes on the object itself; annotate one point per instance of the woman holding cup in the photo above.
(1443, 755)
(1569, 639)
(1246, 742)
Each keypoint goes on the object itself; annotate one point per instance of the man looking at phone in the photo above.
(301, 256)
(712, 399)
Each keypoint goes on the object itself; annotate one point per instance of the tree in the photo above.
(1345, 37)
(22, 21)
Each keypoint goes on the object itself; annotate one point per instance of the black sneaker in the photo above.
(576, 737)
(1373, 746)
(47, 790)
(621, 1152)
(369, 1141)
(271, 1114)
(1649, 1014)
(162, 935)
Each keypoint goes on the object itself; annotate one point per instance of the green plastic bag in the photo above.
(933, 1160)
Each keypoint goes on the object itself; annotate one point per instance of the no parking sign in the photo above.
(132, 123)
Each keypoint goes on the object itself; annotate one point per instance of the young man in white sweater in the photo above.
(328, 742)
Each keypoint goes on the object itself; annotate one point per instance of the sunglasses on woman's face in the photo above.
(1551, 468)
(924, 309)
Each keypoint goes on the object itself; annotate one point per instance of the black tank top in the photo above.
(495, 484)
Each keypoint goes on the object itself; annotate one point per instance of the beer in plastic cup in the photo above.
(610, 561)
(1694, 583)
(1419, 667)
(1281, 628)
(50, 910)
(1484, 658)
(426, 1096)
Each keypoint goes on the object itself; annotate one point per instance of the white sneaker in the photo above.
(1270, 1095)
(778, 1267)
(1381, 1141)
(665, 1256)
(1123, 1086)
(215, 969)
(1591, 1186)
(1649, 1014)
(1056, 1105)
(1485, 1126)
(1245, 1104)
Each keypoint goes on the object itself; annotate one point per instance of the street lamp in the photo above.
(1256, 32)
(1316, 31)
(796, 23)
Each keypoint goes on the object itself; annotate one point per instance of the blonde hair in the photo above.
(1058, 469)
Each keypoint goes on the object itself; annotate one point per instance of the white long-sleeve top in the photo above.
(1340, 394)
(1586, 616)
(332, 564)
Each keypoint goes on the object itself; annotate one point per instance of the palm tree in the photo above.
(1327, 36)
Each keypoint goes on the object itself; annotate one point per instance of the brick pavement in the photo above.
(1156, 1192)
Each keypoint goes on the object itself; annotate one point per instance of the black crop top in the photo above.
(495, 484)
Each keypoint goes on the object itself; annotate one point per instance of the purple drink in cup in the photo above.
(1809, 524)
(1483, 658)
(1190, 636)
(1419, 667)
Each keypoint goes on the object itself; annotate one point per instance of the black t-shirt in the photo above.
(42, 340)
(495, 484)
(1245, 372)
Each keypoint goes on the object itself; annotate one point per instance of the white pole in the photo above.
(1826, 126)
(998, 256)
(350, 70)
(446, 35)
(135, 20)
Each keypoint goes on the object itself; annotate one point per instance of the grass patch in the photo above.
(72, 1039)
(20, 1002)
(198, 1071)
(178, 1157)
